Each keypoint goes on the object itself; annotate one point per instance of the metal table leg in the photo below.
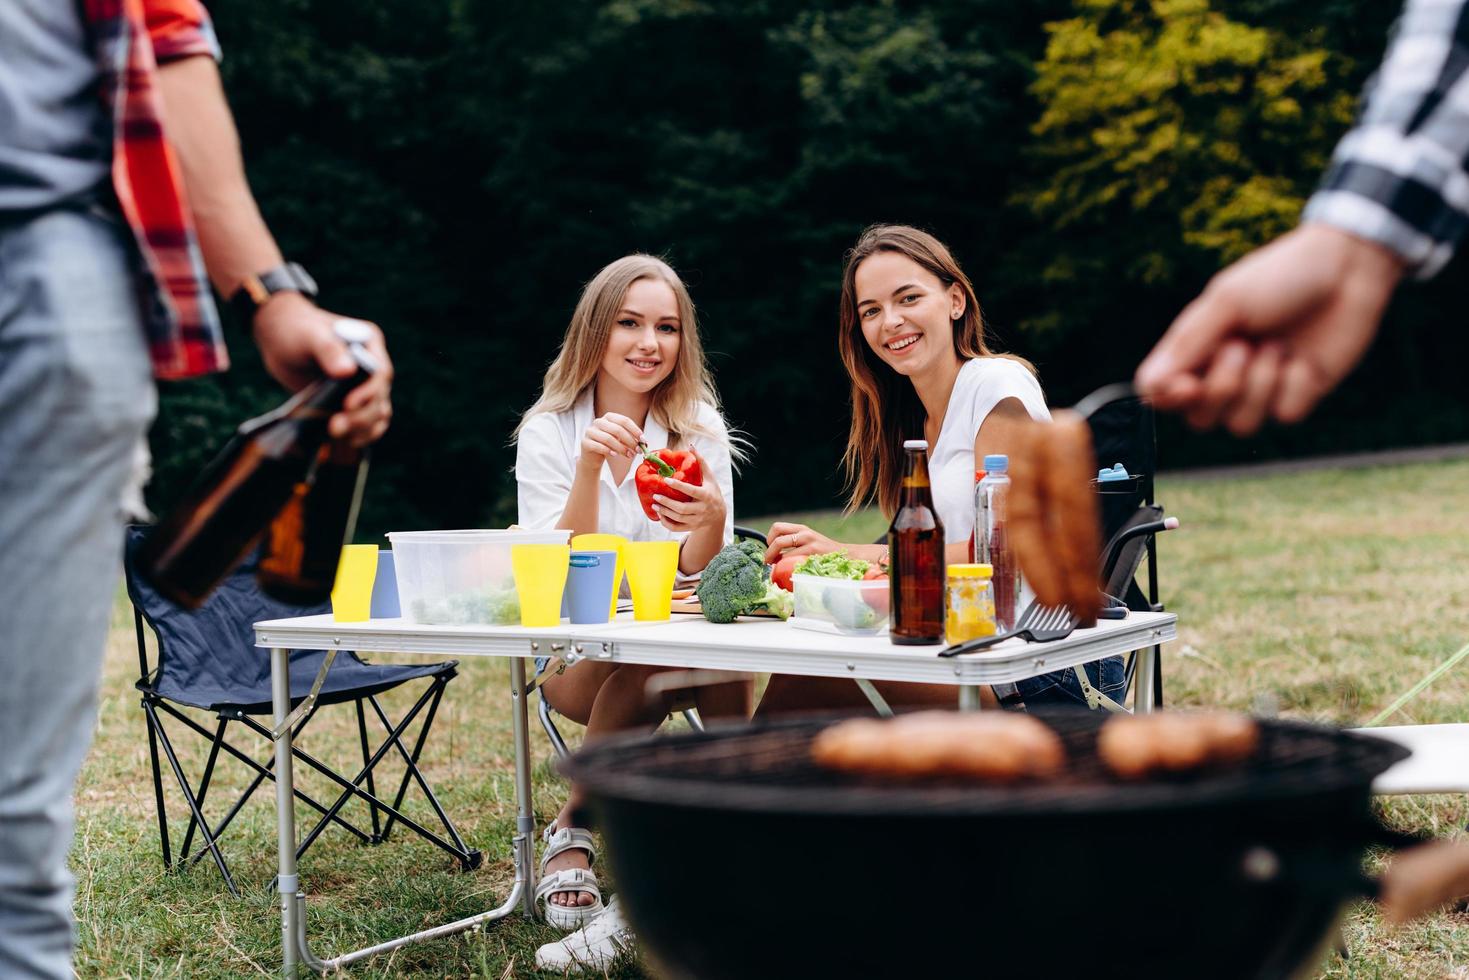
(969, 697)
(874, 697)
(295, 950)
(1142, 681)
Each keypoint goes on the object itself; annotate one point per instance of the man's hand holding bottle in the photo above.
(298, 343)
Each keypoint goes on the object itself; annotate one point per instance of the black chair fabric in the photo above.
(208, 658)
(1123, 431)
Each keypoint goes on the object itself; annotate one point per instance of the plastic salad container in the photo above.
(840, 605)
(461, 578)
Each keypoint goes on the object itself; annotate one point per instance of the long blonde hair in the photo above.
(675, 401)
(885, 405)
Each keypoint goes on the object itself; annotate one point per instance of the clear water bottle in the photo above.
(992, 537)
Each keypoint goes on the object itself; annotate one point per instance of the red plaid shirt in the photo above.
(131, 38)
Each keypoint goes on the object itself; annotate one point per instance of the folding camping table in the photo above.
(754, 645)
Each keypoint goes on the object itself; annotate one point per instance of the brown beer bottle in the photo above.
(299, 563)
(916, 555)
(254, 476)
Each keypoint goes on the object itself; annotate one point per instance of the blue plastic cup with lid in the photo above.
(589, 586)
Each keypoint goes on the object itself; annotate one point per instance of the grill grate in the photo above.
(770, 768)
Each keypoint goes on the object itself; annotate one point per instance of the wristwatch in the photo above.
(255, 290)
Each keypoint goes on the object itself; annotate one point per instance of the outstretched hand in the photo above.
(1274, 333)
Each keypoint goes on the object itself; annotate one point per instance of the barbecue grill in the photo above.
(1238, 872)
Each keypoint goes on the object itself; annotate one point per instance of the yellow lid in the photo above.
(970, 571)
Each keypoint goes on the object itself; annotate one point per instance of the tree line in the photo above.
(456, 170)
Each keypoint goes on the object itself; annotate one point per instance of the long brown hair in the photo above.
(885, 405)
(675, 402)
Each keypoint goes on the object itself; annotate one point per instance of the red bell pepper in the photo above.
(657, 467)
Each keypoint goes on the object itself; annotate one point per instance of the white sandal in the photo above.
(593, 949)
(568, 917)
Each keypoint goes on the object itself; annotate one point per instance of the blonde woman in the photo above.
(630, 370)
(912, 338)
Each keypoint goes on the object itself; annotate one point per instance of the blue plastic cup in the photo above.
(385, 588)
(589, 586)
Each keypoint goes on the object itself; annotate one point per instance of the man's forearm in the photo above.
(232, 235)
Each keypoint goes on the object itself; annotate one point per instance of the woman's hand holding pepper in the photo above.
(704, 508)
(795, 539)
(608, 437)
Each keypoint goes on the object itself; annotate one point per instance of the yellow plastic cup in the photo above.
(352, 589)
(540, 578)
(651, 569)
(605, 542)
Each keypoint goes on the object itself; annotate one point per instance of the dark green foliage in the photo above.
(457, 170)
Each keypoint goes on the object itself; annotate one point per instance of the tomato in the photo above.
(876, 593)
(781, 573)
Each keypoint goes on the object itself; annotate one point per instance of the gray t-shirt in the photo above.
(55, 135)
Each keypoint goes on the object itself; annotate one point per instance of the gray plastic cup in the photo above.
(589, 586)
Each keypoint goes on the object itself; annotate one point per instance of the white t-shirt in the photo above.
(545, 462)
(982, 384)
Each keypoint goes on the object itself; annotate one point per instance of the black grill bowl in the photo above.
(737, 857)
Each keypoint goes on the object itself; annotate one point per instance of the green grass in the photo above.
(1322, 596)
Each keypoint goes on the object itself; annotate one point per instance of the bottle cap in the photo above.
(915, 444)
(971, 571)
(996, 463)
(351, 331)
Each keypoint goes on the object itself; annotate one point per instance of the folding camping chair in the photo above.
(1123, 432)
(206, 659)
(546, 713)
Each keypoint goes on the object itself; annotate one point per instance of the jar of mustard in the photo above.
(969, 609)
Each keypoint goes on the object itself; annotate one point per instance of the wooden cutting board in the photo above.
(684, 601)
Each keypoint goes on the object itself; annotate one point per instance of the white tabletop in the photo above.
(762, 645)
(1439, 763)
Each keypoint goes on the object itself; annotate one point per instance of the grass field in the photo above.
(1320, 596)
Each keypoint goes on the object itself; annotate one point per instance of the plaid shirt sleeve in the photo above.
(1399, 177)
(130, 36)
(179, 29)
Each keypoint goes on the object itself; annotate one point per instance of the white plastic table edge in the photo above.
(749, 645)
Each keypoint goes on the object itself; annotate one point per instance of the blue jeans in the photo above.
(76, 398)
(1060, 688)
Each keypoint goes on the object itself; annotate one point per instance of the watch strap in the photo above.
(256, 289)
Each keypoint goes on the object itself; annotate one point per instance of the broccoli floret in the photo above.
(753, 548)
(736, 581)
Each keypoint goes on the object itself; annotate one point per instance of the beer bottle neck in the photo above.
(915, 486)
(315, 403)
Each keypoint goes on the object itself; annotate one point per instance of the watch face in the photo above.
(304, 282)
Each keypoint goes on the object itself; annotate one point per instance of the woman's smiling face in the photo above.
(642, 348)
(906, 312)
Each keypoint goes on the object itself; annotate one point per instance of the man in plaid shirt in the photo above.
(122, 197)
(1274, 333)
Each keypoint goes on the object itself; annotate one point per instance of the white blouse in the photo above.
(545, 462)
(982, 384)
